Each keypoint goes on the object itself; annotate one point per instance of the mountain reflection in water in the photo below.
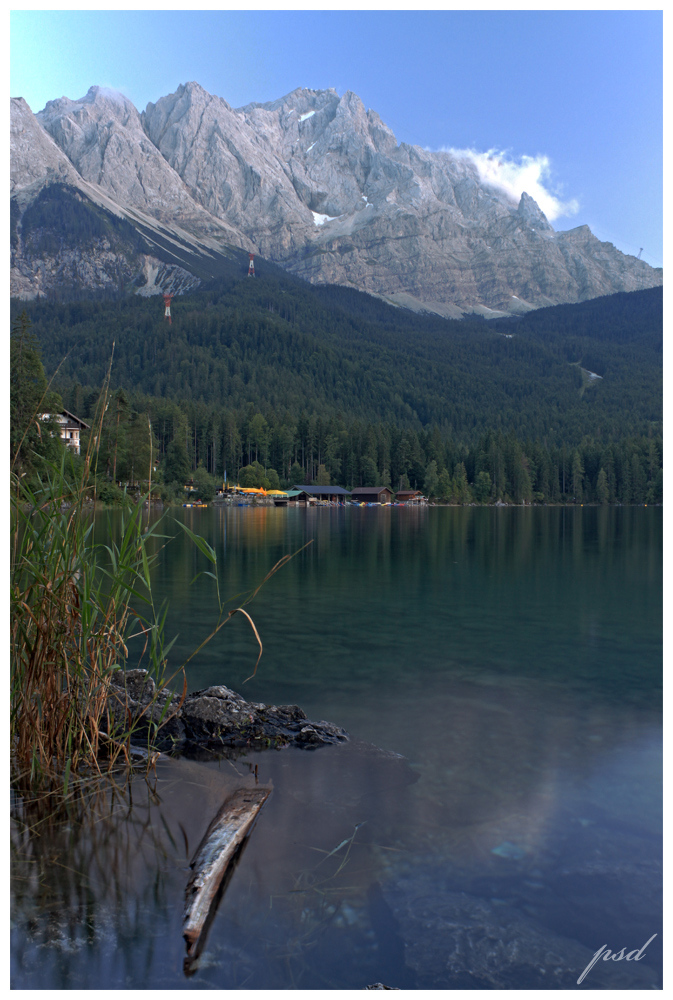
(512, 656)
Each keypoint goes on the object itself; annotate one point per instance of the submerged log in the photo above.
(213, 856)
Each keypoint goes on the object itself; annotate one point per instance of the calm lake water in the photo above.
(510, 659)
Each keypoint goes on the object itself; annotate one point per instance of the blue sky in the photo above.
(577, 93)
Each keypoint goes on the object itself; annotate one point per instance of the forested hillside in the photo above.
(322, 376)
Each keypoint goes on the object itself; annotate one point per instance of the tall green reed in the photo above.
(74, 606)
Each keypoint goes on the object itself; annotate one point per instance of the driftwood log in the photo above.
(213, 858)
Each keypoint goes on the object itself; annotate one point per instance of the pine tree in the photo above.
(602, 488)
(482, 487)
(577, 477)
(461, 486)
(296, 474)
(444, 484)
(177, 467)
(431, 479)
(655, 492)
(29, 398)
(638, 480)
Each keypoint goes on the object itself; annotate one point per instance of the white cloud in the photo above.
(530, 174)
(120, 96)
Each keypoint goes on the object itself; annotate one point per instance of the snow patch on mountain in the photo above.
(320, 220)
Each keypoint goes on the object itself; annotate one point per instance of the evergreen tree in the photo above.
(296, 474)
(444, 484)
(602, 488)
(625, 490)
(638, 480)
(482, 487)
(29, 397)
(176, 465)
(577, 477)
(431, 479)
(608, 463)
(368, 472)
(461, 487)
(655, 492)
(258, 432)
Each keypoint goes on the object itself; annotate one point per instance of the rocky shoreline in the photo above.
(216, 717)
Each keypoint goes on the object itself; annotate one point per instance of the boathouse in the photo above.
(372, 494)
(292, 497)
(334, 493)
(410, 496)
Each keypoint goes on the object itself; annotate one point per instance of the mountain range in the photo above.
(107, 199)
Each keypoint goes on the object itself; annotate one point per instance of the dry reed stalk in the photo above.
(72, 614)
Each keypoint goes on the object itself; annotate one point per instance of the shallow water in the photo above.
(513, 656)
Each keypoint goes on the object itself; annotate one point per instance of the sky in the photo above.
(566, 105)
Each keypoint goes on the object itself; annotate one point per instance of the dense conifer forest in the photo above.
(275, 381)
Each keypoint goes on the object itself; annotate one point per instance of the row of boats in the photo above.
(312, 502)
(333, 496)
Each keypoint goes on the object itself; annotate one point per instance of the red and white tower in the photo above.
(251, 265)
(167, 311)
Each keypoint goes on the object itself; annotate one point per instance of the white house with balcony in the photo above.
(70, 427)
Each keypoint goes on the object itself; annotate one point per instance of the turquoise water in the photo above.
(512, 656)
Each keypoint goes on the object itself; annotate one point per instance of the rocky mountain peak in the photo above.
(297, 101)
(95, 105)
(531, 213)
(320, 185)
(35, 159)
(103, 137)
(96, 94)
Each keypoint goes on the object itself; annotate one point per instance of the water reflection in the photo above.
(572, 593)
(100, 888)
(513, 656)
(536, 811)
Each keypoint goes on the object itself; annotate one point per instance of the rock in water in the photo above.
(214, 717)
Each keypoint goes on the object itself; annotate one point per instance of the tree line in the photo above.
(274, 382)
(208, 444)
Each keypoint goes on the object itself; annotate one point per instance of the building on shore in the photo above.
(410, 496)
(372, 494)
(70, 428)
(335, 494)
(291, 498)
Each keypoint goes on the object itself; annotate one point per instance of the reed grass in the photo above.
(75, 605)
(72, 612)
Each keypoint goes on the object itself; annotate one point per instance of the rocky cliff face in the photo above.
(320, 185)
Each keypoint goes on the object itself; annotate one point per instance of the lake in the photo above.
(495, 819)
